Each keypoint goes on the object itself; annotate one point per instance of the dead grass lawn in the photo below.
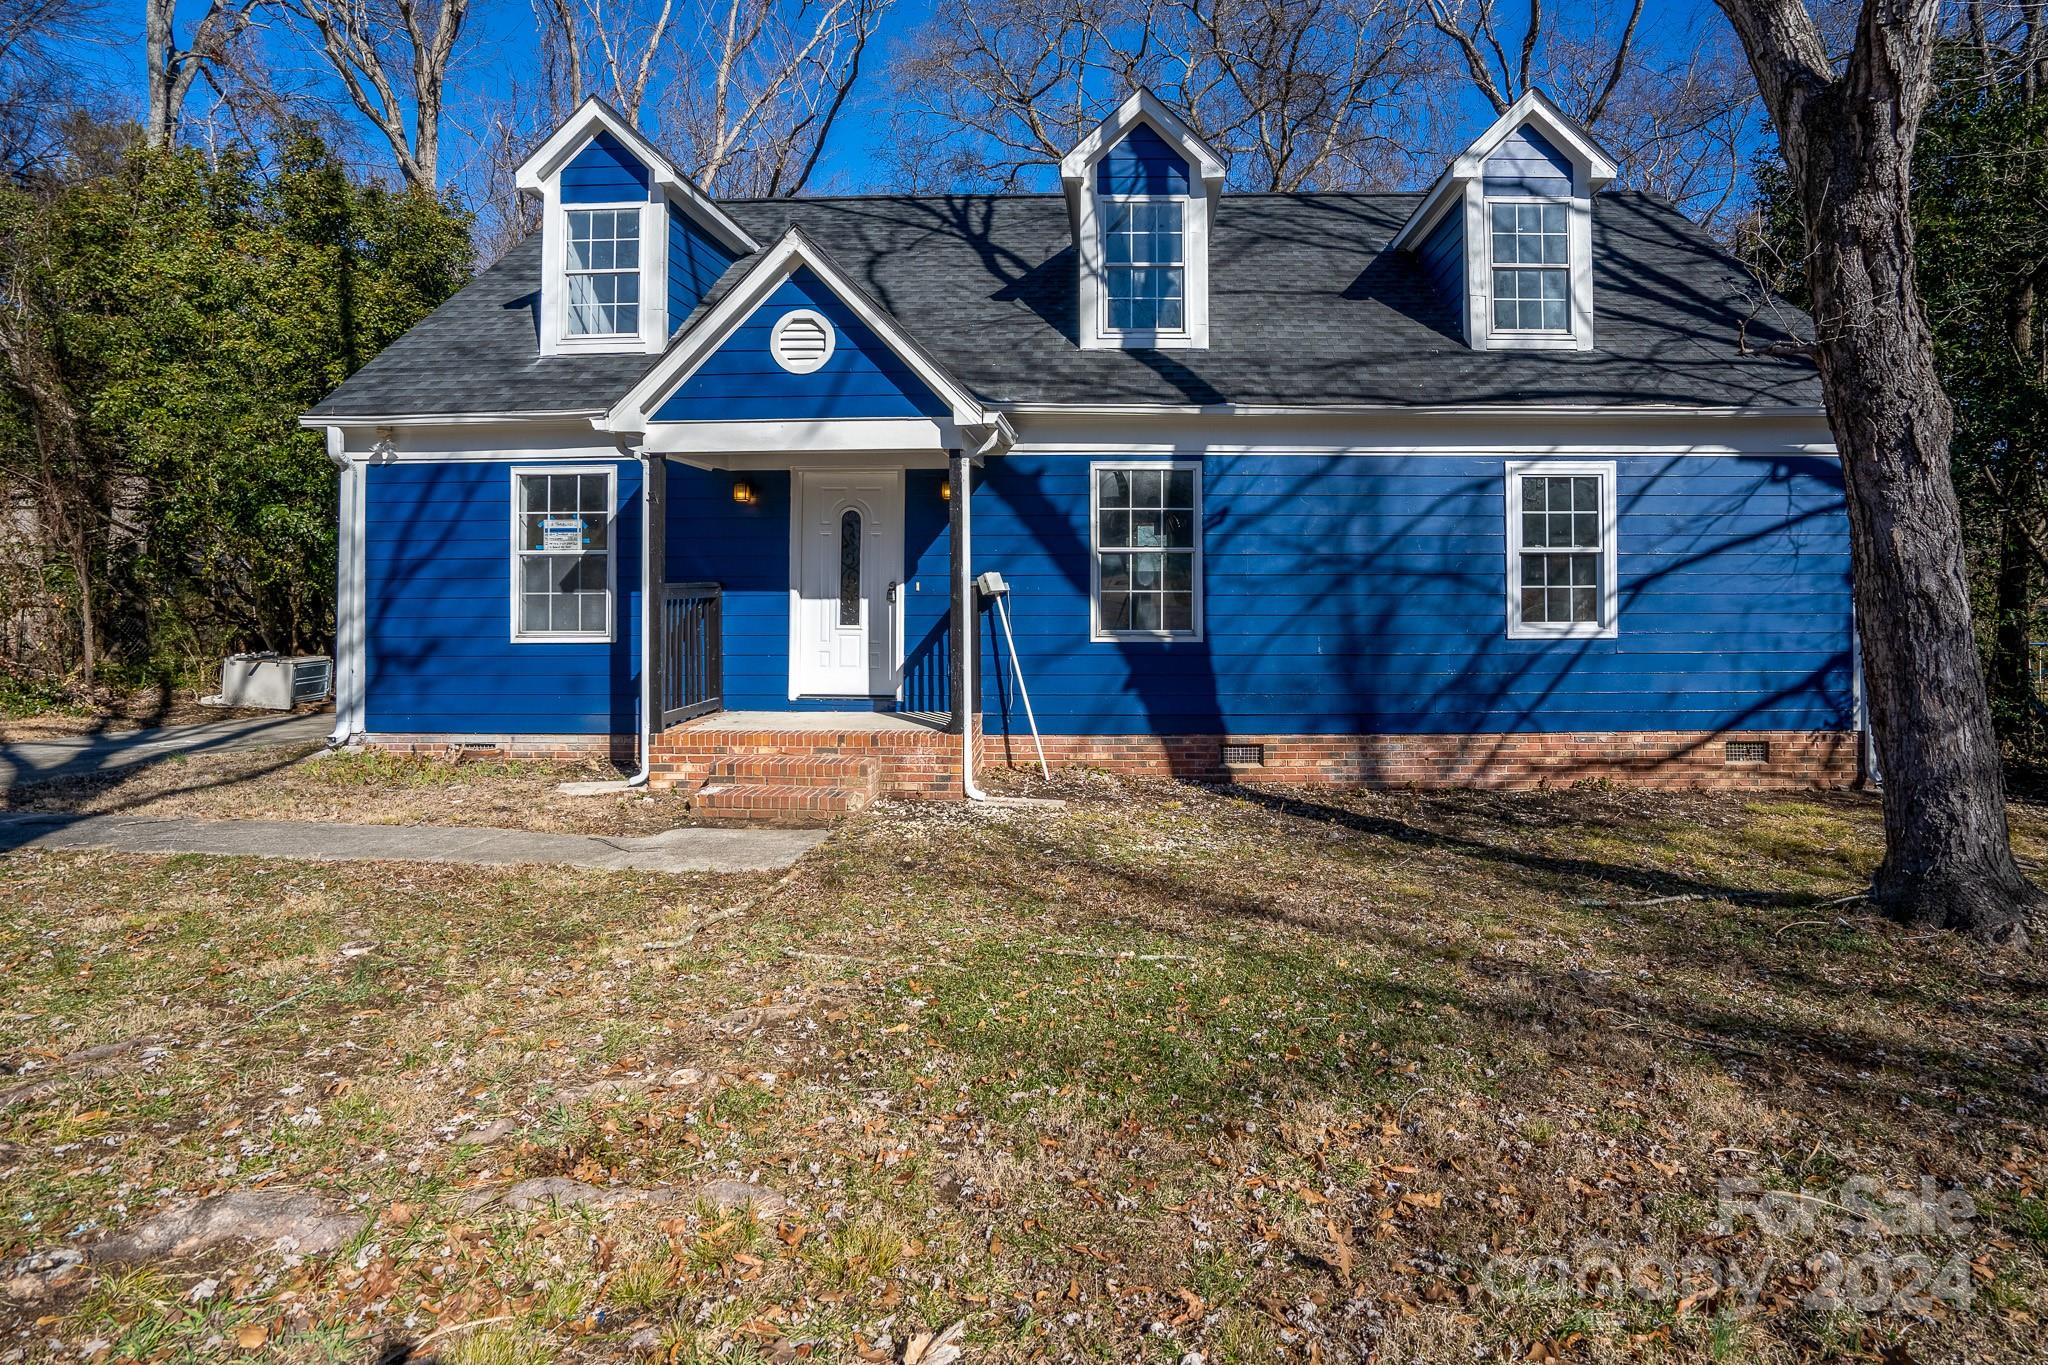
(1175, 1075)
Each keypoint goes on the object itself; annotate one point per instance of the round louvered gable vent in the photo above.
(802, 341)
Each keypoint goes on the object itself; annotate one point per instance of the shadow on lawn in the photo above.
(1954, 1062)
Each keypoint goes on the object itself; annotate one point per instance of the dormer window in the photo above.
(1144, 248)
(1505, 235)
(1142, 188)
(1531, 266)
(603, 271)
(629, 246)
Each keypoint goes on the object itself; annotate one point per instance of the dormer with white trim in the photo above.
(1141, 191)
(1506, 232)
(628, 244)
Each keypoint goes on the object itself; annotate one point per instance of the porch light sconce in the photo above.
(743, 493)
(945, 490)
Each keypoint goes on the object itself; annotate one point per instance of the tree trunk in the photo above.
(1848, 142)
(1948, 858)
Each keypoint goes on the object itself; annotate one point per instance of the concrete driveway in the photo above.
(39, 760)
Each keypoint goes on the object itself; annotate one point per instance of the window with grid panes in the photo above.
(1561, 549)
(1531, 267)
(603, 267)
(1147, 558)
(562, 527)
(1146, 265)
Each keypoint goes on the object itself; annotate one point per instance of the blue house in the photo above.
(797, 501)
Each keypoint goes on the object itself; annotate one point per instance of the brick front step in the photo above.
(797, 770)
(774, 803)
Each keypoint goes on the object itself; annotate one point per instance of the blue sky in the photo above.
(498, 48)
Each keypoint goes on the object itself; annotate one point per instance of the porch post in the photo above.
(965, 641)
(654, 574)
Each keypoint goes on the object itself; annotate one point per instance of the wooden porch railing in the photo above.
(692, 651)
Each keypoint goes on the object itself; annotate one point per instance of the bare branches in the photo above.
(392, 57)
(169, 70)
(1298, 93)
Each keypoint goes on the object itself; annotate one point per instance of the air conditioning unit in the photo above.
(272, 682)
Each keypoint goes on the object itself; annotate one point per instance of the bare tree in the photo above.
(1847, 131)
(763, 86)
(34, 79)
(169, 70)
(621, 43)
(393, 57)
(1298, 94)
(1677, 122)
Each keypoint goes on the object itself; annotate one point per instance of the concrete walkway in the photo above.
(676, 850)
(39, 760)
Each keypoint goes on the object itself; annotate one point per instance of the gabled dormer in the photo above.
(1506, 233)
(1141, 192)
(628, 244)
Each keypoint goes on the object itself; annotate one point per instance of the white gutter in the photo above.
(1401, 410)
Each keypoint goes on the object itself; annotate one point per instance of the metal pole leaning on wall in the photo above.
(992, 586)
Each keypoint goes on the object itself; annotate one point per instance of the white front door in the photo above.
(849, 559)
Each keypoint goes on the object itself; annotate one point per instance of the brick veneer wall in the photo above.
(1696, 759)
(537, 748)
(927, 763)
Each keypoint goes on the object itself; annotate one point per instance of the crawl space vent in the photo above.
(1244, 755)
(1749, 751)
(802, 341)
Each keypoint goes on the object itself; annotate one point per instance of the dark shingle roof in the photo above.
(1305, 310)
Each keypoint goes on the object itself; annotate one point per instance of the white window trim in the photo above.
(1096, 633)
(554, 291)
(1095, 332)
(1578, 223)
(611, 559)
(1607, 627)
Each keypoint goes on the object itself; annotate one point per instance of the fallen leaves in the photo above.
(941, 1349)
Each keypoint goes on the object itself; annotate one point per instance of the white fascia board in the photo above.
(1142, 107)
(450, 419)
(1534, 107)
(791, 252)
(1434, 200)
(538, 171)
(1619, 410)
(1593, 168)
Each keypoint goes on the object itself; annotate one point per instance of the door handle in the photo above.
(892, 591)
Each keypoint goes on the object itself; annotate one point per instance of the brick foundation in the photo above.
(535, 748)
(926, 764)
(1679, 759)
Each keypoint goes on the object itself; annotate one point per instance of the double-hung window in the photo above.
(1561, 554)
(1531, 260)
(1145, 265)
(603, 272)
(1148, 551)
(562, 572)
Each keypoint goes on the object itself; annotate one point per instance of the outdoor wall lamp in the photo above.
(945, 490)
(743, 493)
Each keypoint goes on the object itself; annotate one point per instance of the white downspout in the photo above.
(650, 616)
(348, 637)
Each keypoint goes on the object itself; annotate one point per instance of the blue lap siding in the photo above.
(741, 381)
(438, 547)
(695, 262)
(1528, 163)
(1368, 595)
(604, 172)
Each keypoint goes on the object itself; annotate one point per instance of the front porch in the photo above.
(810, 664)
